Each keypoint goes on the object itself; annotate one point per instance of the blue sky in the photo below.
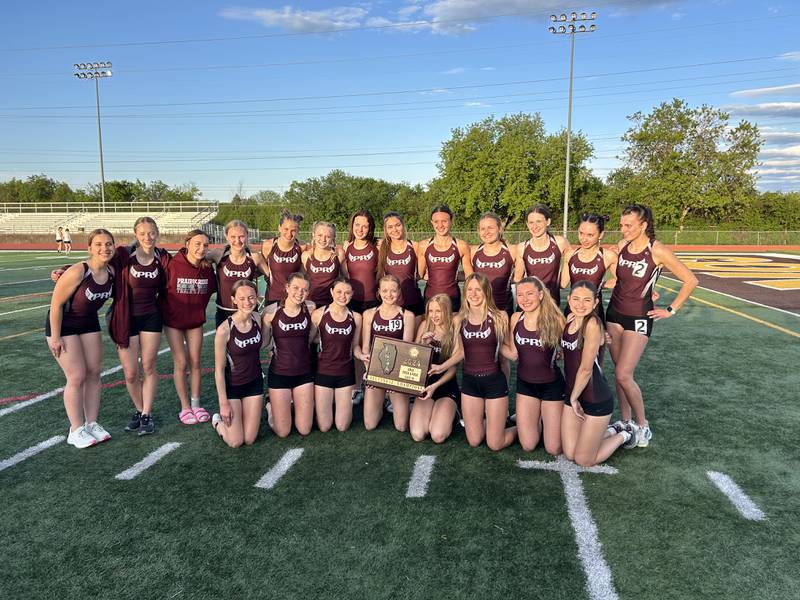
(241, 97)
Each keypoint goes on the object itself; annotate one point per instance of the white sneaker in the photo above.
(643, 439)
(216, 419)
(97, 432)
(80, 438)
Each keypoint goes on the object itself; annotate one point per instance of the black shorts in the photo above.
(596, 409)
(152, 322)
(553, 390)
(276, 381)
(360, 306)
(253, 388)
(642, 325)
(485, 386)
(449, 389)
(336, 381)
(74, 326)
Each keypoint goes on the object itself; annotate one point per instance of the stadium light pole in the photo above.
(571, 28)
(96, 71)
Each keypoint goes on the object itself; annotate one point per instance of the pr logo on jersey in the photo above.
(480, 264)
(256, 339)
(136, 274)
(638, 268)
(91, 296)
(238, 274)
(571, 346)
(442, 259)
(396, 262)
(526, 341)
(292, 258)
(545, 260)
(293, 326)
(582, 271)
(338, 330)
(391, 326)
(321, 269)
(481, 334)
(361, 257)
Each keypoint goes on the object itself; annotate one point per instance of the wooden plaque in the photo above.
(398, 366)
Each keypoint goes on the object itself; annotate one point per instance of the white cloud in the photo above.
(473, 104)
(790, 89)
(766, 109)
(301, 21)
(678, 15)
(786, 152)
(793, 55)
(488, 68)
(780, 138)
(454, 71)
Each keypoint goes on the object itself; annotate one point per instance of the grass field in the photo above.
(721, 393)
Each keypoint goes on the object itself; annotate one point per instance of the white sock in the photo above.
(195, 402)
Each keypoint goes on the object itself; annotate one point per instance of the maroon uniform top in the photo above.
(544, 265)
(481, 347)
(281, 265)
(442, 268)
(244, 354)
(86, 300)
(535, 360)
(291, 355)
(391, 328)
(498, 270)
(336, 344)
(144, 281)
(636, 277)
(322, 274)
(404, 267)
(189, 289)
(596, 389)
(229, 273)
(362, 269)
(592, 271)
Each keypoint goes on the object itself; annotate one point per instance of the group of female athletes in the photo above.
(325, 303)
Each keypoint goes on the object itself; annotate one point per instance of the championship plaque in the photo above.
(398, 366)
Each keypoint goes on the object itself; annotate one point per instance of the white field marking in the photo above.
(55, 392)
(28, 281)
(147, 462)
(19, 310)
(32, 451)
(421, 477)
(713, 254)
(775, 289)
(271, 477)
(599, 582)
(748, 509)
(25, 268)
(699, 287)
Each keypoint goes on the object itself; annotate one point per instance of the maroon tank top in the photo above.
(592, 271)
(291, 355)
(544, 265)
(442, 268)
(404, 267)
(336, 344)
(498, 270)
(391, 328)
(144, 282)
(88, 297)
(229, 273)
(535, 360)
(481, 347)
(636, 278)
(597, 389)
(362, 270)
(281, 265)
(322, 274)
(244, 354)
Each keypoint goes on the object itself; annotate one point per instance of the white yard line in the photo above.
(271, 477)
(599, 581)
(11, 312)
(21, 282)
(746, 507)
(421, 477)
(32, 451)
(147, 462)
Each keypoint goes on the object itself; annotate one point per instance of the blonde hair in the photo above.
(394, 280)
(550, 321)
(448, 339)
(314, 228)
(488, 306)
(236, 223)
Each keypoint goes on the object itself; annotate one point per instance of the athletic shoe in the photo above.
(135, 422)
(616, 427)
(80, 438)
(633, 431)
(216, 419)
(358, 396)
(644, 436)
(148, 426)
(97, 432)
(387, 405)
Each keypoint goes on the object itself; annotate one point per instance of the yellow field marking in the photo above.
(16, 335)
(737, 313)
(777, 284)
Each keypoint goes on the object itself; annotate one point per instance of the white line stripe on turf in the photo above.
(57, 391)
(742, 502)
(271, 477)
(147, 462)
(418, 485)
(11, 312)
(21, 282)
(32, 451)
(599, 581)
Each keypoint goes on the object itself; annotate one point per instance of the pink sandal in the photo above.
(201, 414)
(187, 417)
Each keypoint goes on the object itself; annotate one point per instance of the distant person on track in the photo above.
(282, 255)
(631, 312)
(540, 256)
(72, 330)
(67, 241)
(440, 256)
(237, 368)
(60, 240)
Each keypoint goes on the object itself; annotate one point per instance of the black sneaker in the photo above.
(135, 422)
(147, 426)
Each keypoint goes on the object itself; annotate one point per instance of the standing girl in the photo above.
(390, 320)
(282, 255)
(361, 261)
(72, 330)
(494, 259)
(631, 312)
(237, 368)
(322, 262)
(190, 284)
(540, 256)
(440, 256)
(290, 379)
(67, 241)
(585, 436)
(398, 257)
(59, 239)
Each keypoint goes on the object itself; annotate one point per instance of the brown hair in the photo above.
(99, 231)
(645, 215)
(585, 283)
(386, 242)
(204, 263)
(243, 283)
(370, 220)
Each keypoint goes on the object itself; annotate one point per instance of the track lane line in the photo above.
(32, 451)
